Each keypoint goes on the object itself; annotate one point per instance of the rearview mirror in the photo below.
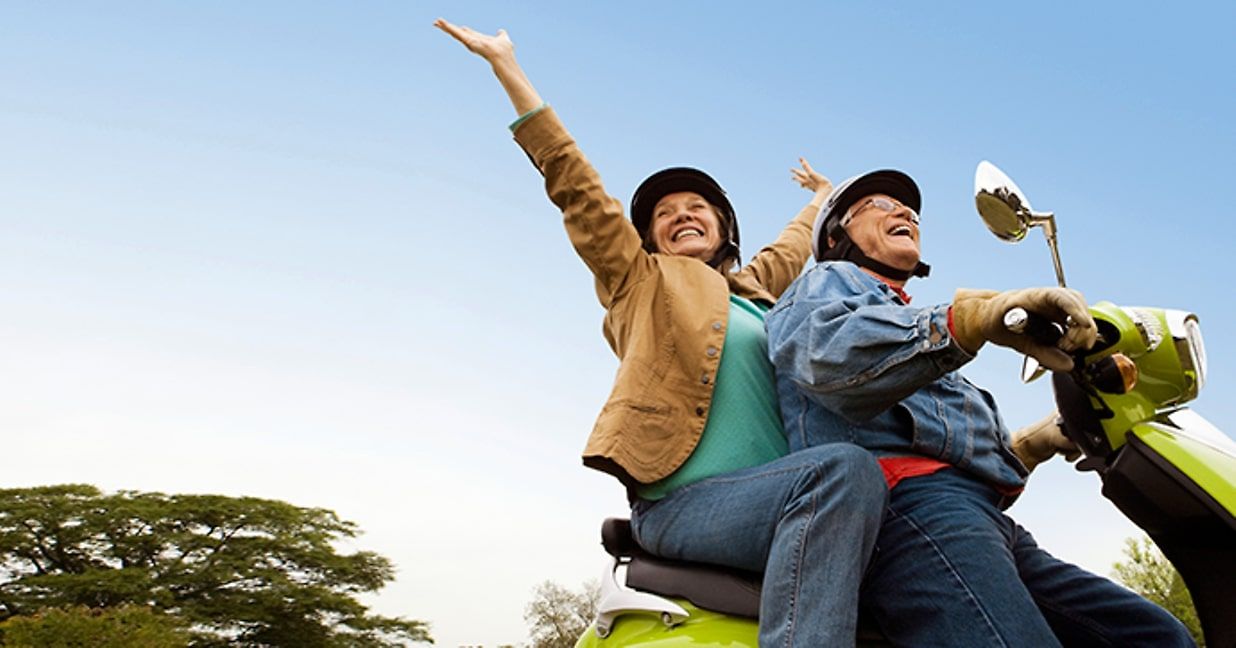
(1001, 203)
(1007, 213)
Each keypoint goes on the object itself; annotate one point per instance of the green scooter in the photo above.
(1166, 468)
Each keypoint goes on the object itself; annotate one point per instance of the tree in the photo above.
(559, 616)
(1150, 574)
(125, 626)
(236, 571)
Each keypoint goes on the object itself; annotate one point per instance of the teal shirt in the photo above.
(744, 424)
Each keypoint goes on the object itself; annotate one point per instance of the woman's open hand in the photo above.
(810, 179)
(500, 52)
(491, 48)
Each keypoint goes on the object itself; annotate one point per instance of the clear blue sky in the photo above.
(289, 249)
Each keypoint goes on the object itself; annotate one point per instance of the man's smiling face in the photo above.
(684, 224)
(890, 237)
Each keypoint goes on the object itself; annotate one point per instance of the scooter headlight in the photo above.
(1187, 334)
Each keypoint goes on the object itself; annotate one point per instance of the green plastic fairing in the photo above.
(1213, 470)
(703, 629)
(1161, 380)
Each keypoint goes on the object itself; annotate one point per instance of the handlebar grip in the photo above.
(1042, 330)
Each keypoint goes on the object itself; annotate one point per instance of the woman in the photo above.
(692, 427)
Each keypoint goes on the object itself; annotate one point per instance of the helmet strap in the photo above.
(844, 249)
(729, 249)
(728, 252)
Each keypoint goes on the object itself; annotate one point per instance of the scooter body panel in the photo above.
(1211, 468)
(1192, 528)
(702, 629)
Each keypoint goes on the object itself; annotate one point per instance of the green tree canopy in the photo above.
(237, 571)
(125, 626)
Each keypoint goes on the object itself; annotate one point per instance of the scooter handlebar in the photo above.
(1042, 330)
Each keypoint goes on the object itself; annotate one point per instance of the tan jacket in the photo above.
(665, 315)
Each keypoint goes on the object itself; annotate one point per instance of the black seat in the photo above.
(729, 591)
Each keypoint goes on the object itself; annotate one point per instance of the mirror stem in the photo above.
(1048, 221)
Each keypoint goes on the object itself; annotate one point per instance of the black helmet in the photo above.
(673, 180)
(889, 182)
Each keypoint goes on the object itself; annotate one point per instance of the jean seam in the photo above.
(798, 561)
(1097, 630)
(953, 570)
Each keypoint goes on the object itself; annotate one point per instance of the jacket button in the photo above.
(712, 351)
(699, 411)
(716, 326)
(704, 379)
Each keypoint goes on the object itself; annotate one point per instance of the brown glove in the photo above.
(978, 317)
(1041, 441)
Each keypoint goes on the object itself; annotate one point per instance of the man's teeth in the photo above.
(900, 230)
(687, 232)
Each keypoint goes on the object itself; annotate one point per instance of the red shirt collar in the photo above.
(905, 297)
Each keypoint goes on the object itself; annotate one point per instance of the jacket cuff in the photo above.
(936, 333)
(540, 134)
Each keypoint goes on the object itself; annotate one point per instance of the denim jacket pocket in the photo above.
(924, 440)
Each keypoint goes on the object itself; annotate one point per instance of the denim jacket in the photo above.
(856, 364)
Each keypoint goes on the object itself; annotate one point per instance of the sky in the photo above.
(289, 250)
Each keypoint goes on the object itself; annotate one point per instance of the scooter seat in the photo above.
(729, 591)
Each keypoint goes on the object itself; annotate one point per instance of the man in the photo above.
(855, 362)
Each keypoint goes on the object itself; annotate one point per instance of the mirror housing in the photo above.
(1001, 204)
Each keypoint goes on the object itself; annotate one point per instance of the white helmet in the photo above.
(889, 182)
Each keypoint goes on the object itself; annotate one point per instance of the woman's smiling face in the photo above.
(685, 224)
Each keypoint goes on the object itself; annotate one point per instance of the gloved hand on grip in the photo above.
(978, 317)
(1043, 440)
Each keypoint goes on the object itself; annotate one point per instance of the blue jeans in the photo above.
(951, 569)
(808, 521)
